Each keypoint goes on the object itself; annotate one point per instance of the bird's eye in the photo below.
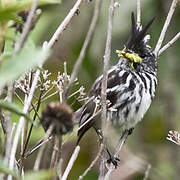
(143, 56)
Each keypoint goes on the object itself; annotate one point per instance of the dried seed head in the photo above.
(60, 115)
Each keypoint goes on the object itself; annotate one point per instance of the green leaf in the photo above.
(10, 13)
(40, 175)
(22, 5)
(13, 108)
(18, 64)
(10, 38)
(5, 170)
(11, 10)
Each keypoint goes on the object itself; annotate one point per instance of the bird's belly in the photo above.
(128, 116)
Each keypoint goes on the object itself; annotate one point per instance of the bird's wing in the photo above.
(86, 111)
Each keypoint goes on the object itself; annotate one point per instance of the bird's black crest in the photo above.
(135, 41)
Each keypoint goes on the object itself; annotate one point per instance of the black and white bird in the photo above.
(131, 85)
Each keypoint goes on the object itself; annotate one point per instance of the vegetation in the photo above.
(51, 53)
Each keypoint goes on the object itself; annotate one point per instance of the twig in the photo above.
(46, 46)
(8, 138)
(19, 98)
(59, 168)
(171, 42)
(3, 124)
(44, 95)
(63, 25)
(138, 13)
(35, 147)
(147, 172)
(106, 61)
(118, 149)
(21, 122)
(17, 48)
(30, 130)
(166, 24)
(40, 153)
(43, 141)
(102, 169)
(88, 38)
(23, 141)
(56, 150)
(35, 80)
(27, 27)
(92, 163)
(54, 93)
(107, 55)
(58, 141)
(174, 136)
(71, 162)
(89, 120)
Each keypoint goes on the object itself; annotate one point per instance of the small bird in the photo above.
(131, 85)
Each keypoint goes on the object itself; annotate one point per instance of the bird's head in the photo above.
(139, 54)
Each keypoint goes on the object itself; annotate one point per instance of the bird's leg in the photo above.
(112, 159)
(122, 140)
(130, 131)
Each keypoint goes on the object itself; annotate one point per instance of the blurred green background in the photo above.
(147, 144)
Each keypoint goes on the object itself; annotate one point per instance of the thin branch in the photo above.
(146, 175)
(118, 149)
(31, 127)
(56, 150)
(107, 56)
(166, 24)
(88, 38)
(44, 95)
(59, 168)
(35, 147)
(138, 13)
(64, 24)
(58, 140)
(27, 27)
(106, 60)
(102, 168)
(43, 141)
(3, 123)
(71, 162)
(170, 43)
(18, 47)
(174, 136)
(46, 46)
(8, 138)
(27, 104)
(94, 115)
(47, 97)
(92, 163)
(40, 153)
(19, 98)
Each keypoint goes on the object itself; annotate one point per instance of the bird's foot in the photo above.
(130, 131)
(112, 159)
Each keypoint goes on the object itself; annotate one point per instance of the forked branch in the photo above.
(166, 24)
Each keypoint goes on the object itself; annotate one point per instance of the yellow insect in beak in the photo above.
(133, 57)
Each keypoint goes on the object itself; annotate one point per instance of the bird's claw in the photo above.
(112, 159)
